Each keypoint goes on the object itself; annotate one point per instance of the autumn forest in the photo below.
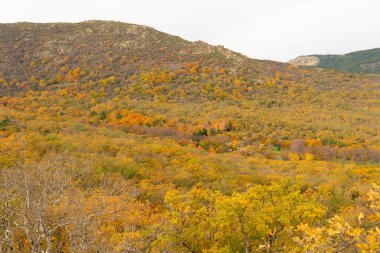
(120, 138)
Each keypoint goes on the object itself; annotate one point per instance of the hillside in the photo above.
(116, 137)
(48, 51)
(366, 61)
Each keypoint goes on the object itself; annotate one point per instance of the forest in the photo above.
(139, 141)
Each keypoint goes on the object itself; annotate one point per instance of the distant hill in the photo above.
(120, 49)
(35, 52)
(366, 61)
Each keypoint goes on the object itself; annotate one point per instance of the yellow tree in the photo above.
(340, 236)
(189, 221)
(256, 219)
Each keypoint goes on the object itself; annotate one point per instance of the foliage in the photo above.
(142, 142)
(366, 61)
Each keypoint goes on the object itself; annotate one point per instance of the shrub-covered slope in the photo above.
(119, 138)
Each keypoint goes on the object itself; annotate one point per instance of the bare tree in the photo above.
(8, 213)
(298, 146)
(40, 192)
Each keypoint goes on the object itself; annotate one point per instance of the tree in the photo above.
(340, 236)
(189, 225)
(40, 194)
(298, 146)
(262, 214)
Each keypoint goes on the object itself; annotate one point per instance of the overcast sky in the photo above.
(267, 29)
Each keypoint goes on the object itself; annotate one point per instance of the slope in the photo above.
(119, 138)
(366, 61)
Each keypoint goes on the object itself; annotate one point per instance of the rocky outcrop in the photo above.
(305, 61)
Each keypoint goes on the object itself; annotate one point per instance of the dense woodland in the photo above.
(119, 138)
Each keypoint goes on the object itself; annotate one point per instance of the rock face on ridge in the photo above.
(305, 61)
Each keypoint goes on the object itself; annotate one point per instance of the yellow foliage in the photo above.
(309, 157)
(294, 157)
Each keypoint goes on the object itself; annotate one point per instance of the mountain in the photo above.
(116, 137)
(94, 43)
(111, 66)
(366, 61)
(43, 48)
(48, 51)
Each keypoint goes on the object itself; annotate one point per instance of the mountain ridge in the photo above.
(362, 61)
(47, 51)
(125, 38)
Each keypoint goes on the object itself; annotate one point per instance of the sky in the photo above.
(268, 29)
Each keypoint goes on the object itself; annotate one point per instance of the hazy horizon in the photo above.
(274, 30)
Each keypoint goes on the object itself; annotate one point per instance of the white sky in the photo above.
(267, 29)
